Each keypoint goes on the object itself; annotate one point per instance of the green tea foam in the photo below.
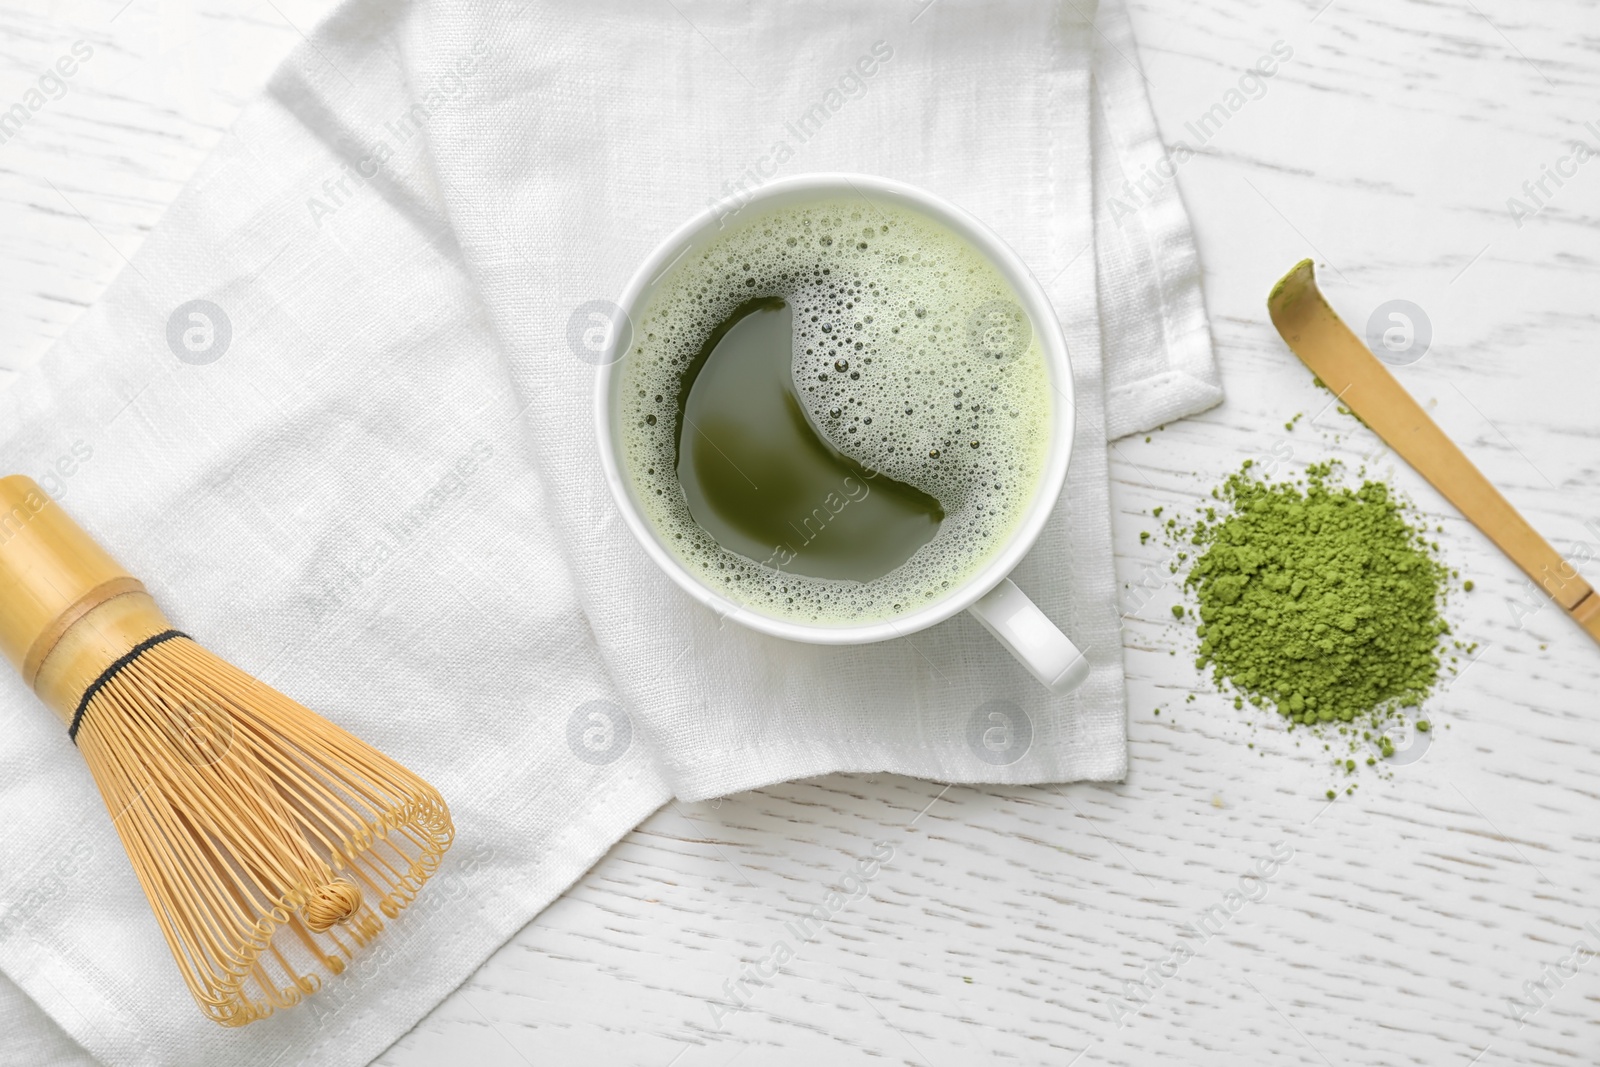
(911, 355)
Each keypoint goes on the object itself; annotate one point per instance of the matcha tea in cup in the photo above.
(840, 414)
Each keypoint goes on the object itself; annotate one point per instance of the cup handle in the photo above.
(1017, 623)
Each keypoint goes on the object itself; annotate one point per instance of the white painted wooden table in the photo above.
(1008, 921)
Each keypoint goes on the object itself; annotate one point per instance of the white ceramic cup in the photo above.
(996, 602)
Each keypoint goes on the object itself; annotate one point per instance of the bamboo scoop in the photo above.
(1347, 367)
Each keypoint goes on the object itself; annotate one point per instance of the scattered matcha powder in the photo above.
(1316, 600)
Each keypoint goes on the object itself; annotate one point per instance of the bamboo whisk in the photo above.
(271, 844)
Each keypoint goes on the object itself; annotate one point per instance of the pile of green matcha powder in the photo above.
(1317, 600)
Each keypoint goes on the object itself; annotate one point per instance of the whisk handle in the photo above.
(68, 610)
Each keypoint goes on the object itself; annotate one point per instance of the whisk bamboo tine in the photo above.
(257, 829)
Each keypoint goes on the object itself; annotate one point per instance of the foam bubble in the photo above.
(912, 355)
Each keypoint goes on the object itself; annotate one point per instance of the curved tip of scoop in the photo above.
(1076, 674)
(1302, 278)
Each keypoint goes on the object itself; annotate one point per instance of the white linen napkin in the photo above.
(366, 470)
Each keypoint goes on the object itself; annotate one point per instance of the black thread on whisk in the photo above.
(111, 672)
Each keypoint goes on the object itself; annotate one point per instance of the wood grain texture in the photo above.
(1007, 922)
